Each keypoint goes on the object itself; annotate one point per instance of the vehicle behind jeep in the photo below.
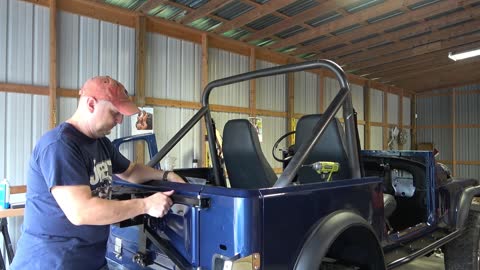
(333, 206)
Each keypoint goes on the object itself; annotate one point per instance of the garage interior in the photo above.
(396, 54)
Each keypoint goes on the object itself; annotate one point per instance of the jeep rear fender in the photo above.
(463, 206)
(338, 234)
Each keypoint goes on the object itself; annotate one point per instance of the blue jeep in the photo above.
(333, 207)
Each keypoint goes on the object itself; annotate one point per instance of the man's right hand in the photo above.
(158, 204)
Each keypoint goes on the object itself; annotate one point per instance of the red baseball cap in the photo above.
(106, 88)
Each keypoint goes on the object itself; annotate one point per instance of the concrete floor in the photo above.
(424, 263)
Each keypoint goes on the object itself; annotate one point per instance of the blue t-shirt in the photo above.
(63, 157)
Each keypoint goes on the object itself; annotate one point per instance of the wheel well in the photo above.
(344, 236)
(358, 246)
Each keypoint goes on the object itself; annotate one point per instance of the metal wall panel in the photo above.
(440, 137)
(222, 64)
(173, 68)
(3, 40)
(466, 144)
(376, 138)
(271, 92)
(89, 47)
(358, 100)
(361, 135)
(306, 91)
(376, 105)
(330, 90)
(436, 110)
(273, 128)
(167, 122)
(468, 171)
(20, 42)
(467, 109)
(406, 117)
(68, 50)
(393, 108)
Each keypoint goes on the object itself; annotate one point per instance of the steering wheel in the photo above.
(276, 145)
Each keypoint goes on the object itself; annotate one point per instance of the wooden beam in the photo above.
(385, 120)
(149, 5)
(303, 16)
(361, 16)
(413, 121)
(140, 53)
(252, 15)
(454, 132)
(271, 113)
(210, 7)
(410, 16)
(52, 97)
(366, 104)
(253, 86)
(204, 72)
(441, 45)
(172, 103)
(417, 46)
(24, 89)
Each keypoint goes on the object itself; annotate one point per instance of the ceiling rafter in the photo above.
(408, 17)
(414, 43)
(440, 45)
(433, 25)
(303, 16)
(149, 5)
(361, 16)
(252, 15)
(210, 7)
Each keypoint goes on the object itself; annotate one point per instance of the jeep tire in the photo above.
(463, 252)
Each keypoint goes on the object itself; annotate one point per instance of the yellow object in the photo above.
(326, 167)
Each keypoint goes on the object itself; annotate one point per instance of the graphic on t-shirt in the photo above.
(102, 179)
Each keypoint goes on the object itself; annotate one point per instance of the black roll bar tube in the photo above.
(177, 137)
(344, 96)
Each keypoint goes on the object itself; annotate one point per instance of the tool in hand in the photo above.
(324, 168)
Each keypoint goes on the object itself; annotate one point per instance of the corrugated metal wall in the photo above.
(330, 90)
(222, 64)
(24, 54)
(376, 115)
(407, 121)
(172, 69)
(271, 92)
(467, 112)
(167, 122)
(306, 88)
(436, 110)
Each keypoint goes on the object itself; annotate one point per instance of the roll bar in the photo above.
(342, 98)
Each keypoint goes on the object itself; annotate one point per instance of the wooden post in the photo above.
(385, 119)
(140, 32)
(400, 115)
(204, 72)
(454, 132)
(52, 95)
(413, 121)
(253, 85)
(366, 100)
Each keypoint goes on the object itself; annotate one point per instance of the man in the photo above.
(67, 213)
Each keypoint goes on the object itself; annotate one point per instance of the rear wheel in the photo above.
(463, 253)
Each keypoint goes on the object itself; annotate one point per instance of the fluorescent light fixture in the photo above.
(463, 55)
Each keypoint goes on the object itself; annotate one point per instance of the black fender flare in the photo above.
(324, 233)
(463, 206)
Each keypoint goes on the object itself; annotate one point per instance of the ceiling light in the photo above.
(463, 55)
